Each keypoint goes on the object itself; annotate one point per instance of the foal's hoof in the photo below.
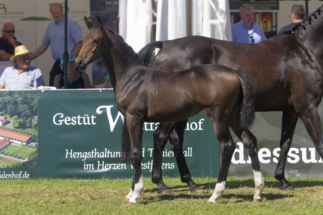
(287, 188)
(211, 203)
(131, 203)
(257, 200)
(166, 192)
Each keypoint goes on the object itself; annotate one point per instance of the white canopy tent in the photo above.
(209, 18)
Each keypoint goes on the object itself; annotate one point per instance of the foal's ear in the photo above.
(99, 22)
(88, 24)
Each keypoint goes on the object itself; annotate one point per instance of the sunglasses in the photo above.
(8, 31)
(27, 57)
(252, 40)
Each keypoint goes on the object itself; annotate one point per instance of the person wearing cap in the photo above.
(75, 79)
(21, 75)
(8, 41)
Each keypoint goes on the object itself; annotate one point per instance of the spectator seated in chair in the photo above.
(75, 79)
(21, 75)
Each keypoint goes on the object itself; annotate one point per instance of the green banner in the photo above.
(77, 134)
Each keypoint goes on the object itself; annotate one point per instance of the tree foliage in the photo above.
(21, 104)
(11, 110)
(34, 122)
(28, 122)
(15, 121)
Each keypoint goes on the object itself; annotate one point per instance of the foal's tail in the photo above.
(145, 54)
(248, 105)
(125, 144)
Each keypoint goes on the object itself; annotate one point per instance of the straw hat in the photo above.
(20, 50)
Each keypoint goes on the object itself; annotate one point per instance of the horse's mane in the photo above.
(122, 40)
(305, 21)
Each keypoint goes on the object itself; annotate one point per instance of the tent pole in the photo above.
(65, 55)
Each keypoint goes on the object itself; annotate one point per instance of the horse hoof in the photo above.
(196, 189)
(211, 203)
(166, 192)
(287, 188)
(257, 200)
(131, 203)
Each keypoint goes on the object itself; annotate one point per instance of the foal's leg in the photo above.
(287, 132)
(250, 143)
(176, 139)
(227, 148)
(161, 135)
(176, 136)
(135, 132)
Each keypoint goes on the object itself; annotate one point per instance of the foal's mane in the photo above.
(305, 21)
(122, 41)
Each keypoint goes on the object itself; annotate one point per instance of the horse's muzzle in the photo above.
(80, 64)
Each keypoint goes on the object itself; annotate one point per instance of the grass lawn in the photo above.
(5, 162)
(107, 196)
(22, 151)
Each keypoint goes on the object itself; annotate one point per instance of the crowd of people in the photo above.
(21, 75)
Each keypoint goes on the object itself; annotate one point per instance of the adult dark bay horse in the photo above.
(286, 72)
(145, 94)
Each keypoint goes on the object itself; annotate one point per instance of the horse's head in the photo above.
(93, 44)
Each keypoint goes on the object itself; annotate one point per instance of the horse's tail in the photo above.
(145, 54)
(125, 144)
(247, 116)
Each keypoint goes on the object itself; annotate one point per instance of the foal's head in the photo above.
(94, 44)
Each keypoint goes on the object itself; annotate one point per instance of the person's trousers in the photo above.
(56, 70)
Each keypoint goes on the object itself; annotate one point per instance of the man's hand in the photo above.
(12, 41)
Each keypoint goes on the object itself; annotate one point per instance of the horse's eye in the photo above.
(95, 41)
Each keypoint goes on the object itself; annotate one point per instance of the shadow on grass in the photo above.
(183, 187)
(232, 184)
(299, 183)
(249, 197)
(227, 197)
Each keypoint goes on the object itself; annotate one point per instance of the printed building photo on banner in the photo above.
(18, 129)
(108, 11)
(267, 20)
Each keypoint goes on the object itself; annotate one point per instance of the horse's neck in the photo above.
(120, 60)
(311, 36)
(110, 66)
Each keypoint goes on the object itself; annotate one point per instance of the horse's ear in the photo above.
(99, 22)
(88, 24)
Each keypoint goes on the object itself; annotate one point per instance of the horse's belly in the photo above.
(273, 102)
(171, 114)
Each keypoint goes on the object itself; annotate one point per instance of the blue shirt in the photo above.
(54, 36)
(12, 79)
(240, 33)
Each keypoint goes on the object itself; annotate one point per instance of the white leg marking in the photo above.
(259, 185)
(137, 191)
(219, 189)
(129, 194)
